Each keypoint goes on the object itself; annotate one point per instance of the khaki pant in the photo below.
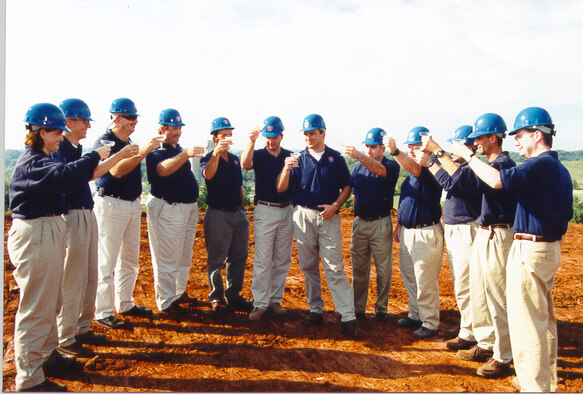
(459, 239)
(118, 254)
(171, 232)
(488, 291)
(80, 275)
(36, 248)
(314, 236)
(531, 313)
(274, 233)
(371, 238)
(420, 255)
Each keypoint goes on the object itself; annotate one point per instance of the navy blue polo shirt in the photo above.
(498, 206)
(374, 193)
(419, 201)
(224, 189)
(545, 195)
(79, 197)
(319, 182)
(178, 187)
(267, 168)
(39, 183)
(462, 204)
(127, 187)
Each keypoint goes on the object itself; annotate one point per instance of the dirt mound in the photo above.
(205, 352)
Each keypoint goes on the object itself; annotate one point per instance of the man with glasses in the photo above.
(118, 210)
(80, 270)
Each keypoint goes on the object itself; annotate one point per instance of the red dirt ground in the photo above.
(204, 352)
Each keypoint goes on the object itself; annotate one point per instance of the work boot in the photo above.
(138, 311)
(460, 344)
(475, 354)
(90, 337)
(350, 329)
(240, 304)
(256, 314)
(76, 350)
(424, 333)
(407, 322)
(277, 309)
(111, 322)
(493, 369)
(57, 365)
(315, 319)
(186, 299)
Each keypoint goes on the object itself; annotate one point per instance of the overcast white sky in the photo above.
(358, 63)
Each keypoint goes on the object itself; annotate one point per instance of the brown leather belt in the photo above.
(373, 218)
(533, 238)
(274, 204)
(493, 226)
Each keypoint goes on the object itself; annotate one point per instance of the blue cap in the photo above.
(374, 136)
(533, 116)
(313, 122)
(46, 115)
(272, 127)
(75, 108)
(414, 136)
(123, 106)
(170, 117)
(461, 134)
(489, 124)
(220, 123)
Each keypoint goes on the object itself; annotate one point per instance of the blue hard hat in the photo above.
(75, 108)
(532, 116)
(313, 122)
(220, 123)
(272, 127)
(414, 136)
(123, 106)
(489, 124)
(374, 136)
(170, 117)
(46, 115)
(462, 134)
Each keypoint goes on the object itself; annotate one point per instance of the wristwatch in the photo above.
(430, 163)
(440, 153)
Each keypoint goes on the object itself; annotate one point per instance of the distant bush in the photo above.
(577, 211)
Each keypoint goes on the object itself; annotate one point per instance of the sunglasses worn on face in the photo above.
(129, 117)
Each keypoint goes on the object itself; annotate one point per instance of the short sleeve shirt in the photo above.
(374, 193)
(224, 189)
(419, 201)
(267, 168)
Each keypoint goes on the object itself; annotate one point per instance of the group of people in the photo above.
(76, 256)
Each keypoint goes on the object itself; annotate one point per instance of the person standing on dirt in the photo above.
(320, 183)
(420, 234)
(545, 206)
(460, 210)
(373, 181)
(490, 252)
(172, 213)
(226, 226)
(37, 201)
(272, 219)
(80, 270)
(119, 211)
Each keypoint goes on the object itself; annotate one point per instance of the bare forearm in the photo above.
(283, 180)
(486, 173)
(171, 165)
(372, 165)
(211, 167)
(408, 164)
(247, 156)
(125, 166)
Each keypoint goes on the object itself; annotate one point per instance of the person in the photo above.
(490, 252)
(272, 219)
(460, 210)
(172, 213)
(320, 184)
(373, 186)
(80, 269)
(545, 206)
(36, 199)
(118, 211)
(226, 226)
(420, 234)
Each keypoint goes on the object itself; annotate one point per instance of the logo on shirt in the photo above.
(236, 162)
(331, 159)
